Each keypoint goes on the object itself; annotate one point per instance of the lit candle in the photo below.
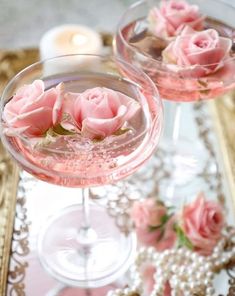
(70, 39)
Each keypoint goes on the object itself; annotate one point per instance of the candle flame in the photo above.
(79, 39)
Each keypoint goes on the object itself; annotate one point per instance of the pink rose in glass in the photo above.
(100, 112)
(197, 54)
(172, 16)
(32, 110)
(202, 223)
(148, 216)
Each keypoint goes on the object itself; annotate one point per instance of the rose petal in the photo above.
(57, 108)
(35, 89)
(41, 116)
(172, 17)
(202, 222)
(103, 127)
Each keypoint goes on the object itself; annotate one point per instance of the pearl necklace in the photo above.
(187, 272)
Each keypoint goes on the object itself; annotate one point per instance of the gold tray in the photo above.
(12, 62)
(223, 110)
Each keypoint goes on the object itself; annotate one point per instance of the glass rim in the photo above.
(155, 97)
(154, 61)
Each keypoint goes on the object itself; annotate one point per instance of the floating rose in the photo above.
(202, 223)
(172, 16)
(100, 112)
(32, 110)
(197, 54)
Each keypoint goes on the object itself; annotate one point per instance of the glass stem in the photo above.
(176, 123)
(86, 234)
(85, 208)
(175, 131)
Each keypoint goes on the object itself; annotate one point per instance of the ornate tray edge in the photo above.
(7, 216)
(222, 118)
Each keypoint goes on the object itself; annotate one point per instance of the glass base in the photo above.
(72, 291)
(83, 265)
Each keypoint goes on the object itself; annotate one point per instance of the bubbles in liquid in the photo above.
(80, 158)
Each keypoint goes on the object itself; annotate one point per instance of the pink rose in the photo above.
(99, 112)
(202, 222)
(172, 17)
(32, 110)
(168, 237)
(148, 214)
(197, 54)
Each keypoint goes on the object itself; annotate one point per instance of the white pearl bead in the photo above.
(201, 260)
(210, 291)
(198, 276)
(194, 256)
(208, 266)
(217, 263)
(233, 251)
(214, 256)
(187, 293)
(127, 291)
(183, 286)
(232, 239)
(216, 250)
(194, 265)
(166, 253)
(192, 285)
(210, 275)
(170, 261)
(150, 250)
(206, 282)
(174, 268)
(182, 269)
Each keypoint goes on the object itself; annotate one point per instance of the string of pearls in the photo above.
(187, 272)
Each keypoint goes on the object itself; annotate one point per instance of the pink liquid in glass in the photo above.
(138, 46)
(75, 161)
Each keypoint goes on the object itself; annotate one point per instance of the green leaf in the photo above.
(202, 83)
(121, 131)
(59, 130)
(183, 240)
(153, 228)
(161, 235)
(98, 139)
(165, 219)
(160, 203)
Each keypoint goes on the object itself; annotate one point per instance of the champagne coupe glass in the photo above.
(81, 245)
(135, 43)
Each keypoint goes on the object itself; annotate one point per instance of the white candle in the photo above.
(70, 39)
